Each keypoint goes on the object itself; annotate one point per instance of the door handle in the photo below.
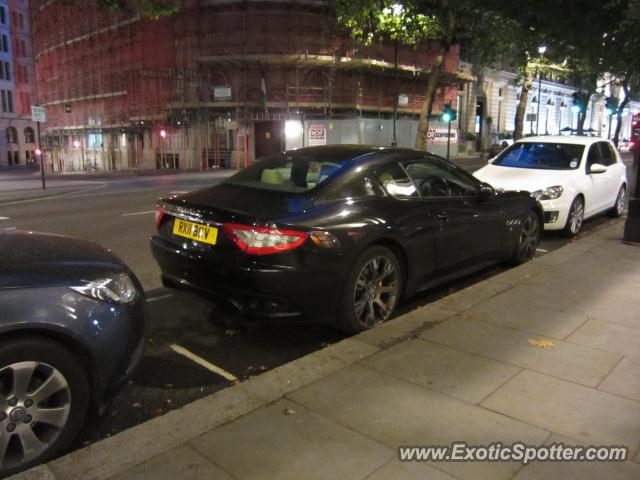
(442, 216)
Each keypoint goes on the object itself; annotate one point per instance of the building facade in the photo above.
(17, 86)
(219, 82)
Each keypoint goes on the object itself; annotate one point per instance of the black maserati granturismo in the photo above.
(339, 233)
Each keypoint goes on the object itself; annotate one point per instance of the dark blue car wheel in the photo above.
(44, 396)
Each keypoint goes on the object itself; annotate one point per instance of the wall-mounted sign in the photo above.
(403, 99)
(439, 135)
(221, 92)
(38, 114)
(317, 135)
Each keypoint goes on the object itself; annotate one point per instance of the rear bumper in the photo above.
(257, 289)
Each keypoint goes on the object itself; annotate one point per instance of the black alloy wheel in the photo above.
(372, 290)
(528, 239)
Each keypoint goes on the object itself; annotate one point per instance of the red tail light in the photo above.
(263, 240)
(159, 216)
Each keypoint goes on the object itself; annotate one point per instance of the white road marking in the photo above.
(5, 218)
(138, 213)
(542, 250)
(10, 228)
(179, 192)
(203, 363)
(153, 299)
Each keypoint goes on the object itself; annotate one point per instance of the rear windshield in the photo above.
(291, 172)
(545, 156)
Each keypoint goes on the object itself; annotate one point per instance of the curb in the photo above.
(49, 195)
(142, 442)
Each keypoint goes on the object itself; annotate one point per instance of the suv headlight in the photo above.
(549, 193)
(117, 288)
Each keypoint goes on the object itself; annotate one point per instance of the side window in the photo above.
(608, 155)
(395, 182)
(436, 178)
(429, 179)
(594, 156)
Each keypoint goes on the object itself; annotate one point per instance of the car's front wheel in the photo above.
(575, 217)
(618, 207)
(528, 239)
(44, 396)
(372, 290)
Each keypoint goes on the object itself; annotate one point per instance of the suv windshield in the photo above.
(545, 156)
(291, 172)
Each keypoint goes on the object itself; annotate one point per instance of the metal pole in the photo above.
(394, 141)
(44, 186)
(632, 225)
(539, 101)
(610, 120)
(448, 138)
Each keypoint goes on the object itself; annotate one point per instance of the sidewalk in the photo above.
(460, 369)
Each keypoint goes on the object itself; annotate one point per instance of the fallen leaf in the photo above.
(264, 367)
(136, 405)
(289, 411)
(537, 342)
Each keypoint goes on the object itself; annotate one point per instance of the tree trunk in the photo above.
(522, 106)
(621, 107)
(429, 95)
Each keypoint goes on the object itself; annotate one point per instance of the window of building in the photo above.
(5, 43)
(7, 74)
(16, 157)
(3, 16)
(4, 100)
(29, 136)
(20, 20)
(12, 135)
(23, 48)
(10, 101)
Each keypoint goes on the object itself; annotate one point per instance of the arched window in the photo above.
(29, 136)
(12, 135)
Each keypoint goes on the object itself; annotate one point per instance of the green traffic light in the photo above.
(446, 117)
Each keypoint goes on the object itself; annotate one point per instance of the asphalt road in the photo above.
(194, 346)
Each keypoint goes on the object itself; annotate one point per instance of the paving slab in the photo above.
(592, 416)
(275, 383)
(609, 310)
(271, 444)
(517, 275)
(405, 326)
(513, 312)
(450, 371)
(397, 470)
(470, 296)
(628, 470)
(542, 296)
(182, 463)
(565, 360)
(131, 447)
(608, 336)
(399, 413)
(624, 379)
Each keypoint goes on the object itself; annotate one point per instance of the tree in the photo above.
(443, 23)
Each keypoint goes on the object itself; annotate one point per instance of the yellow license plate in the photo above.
(195, 231)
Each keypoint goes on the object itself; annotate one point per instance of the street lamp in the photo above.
(448, 115)
(541, 50)
(76, 144)
(396, 11)
(163, 135)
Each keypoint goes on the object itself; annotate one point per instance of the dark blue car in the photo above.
(71, 330)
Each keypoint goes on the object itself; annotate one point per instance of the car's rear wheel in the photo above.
(618, 207)
(44, 396)
(528, 239)
(575, 217)
(372, 290)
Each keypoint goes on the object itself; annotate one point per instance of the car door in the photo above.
(613, 174)
(470, 230)
(596, 185)
(412, 219)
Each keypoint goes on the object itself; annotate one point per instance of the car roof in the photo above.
(573, 139)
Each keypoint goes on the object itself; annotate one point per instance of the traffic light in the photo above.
(578, 103)
(448, 114)
(611, 105)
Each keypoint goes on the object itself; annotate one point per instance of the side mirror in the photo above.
(597, 168)
(486, 191)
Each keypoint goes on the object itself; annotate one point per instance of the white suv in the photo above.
(573, 177)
